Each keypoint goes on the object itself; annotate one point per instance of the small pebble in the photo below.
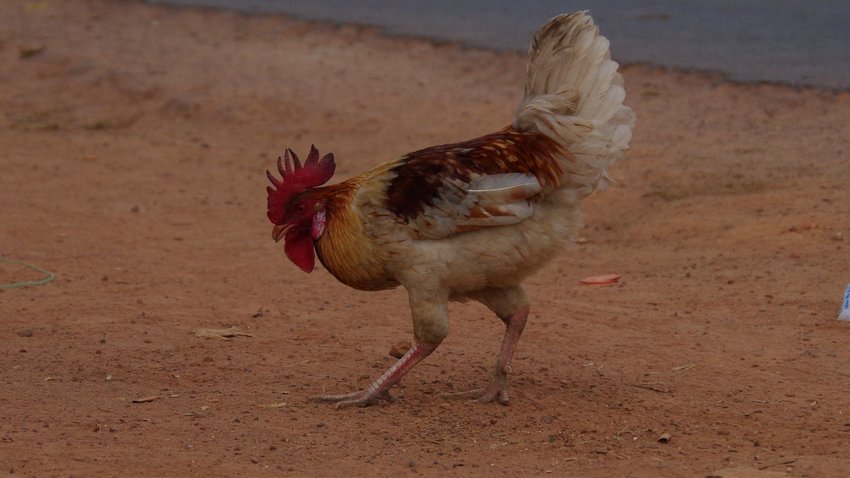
(400, 348)
(29, 51)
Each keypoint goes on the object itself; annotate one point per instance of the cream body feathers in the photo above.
(574, 95)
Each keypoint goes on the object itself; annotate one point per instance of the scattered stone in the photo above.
(664, 438)
(145, 399)
(29, 51)
(400, 348)
(25, 333)
(260, 311)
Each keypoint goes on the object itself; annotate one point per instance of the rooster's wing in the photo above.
(491, 181)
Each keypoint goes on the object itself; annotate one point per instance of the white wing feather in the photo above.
(486, 201)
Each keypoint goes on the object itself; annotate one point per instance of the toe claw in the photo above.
(354, 399)
(494, 392)
(335, 398)
(492, 396)
(361, 402)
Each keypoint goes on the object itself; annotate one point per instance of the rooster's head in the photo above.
(299, 218)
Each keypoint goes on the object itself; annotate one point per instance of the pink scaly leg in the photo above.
(380, 388)
(496, 390)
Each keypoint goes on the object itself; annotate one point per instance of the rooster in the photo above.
(468, 220)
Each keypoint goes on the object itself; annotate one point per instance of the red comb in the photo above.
(295, 179)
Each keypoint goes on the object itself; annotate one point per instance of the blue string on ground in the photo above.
(48, 276)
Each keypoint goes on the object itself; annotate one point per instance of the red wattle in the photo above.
(299, 249)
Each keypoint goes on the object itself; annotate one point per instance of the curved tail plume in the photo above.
(574, 94)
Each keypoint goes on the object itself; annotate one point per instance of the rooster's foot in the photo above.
(380, 388)
(356, 399)
(496, 391)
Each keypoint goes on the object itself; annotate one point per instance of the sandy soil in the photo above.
(133, 142)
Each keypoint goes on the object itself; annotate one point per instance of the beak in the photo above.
(279, 231)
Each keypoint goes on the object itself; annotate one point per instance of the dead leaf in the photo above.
(654, 386)
(222, 334)
(745, 472)
(682, 368)
(274, 405)
(146, 399)
(604, 279)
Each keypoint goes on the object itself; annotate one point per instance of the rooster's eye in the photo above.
(300, 209)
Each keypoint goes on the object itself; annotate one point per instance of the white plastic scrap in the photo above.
(845, 306)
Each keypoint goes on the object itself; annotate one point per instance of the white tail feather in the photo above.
(574, 95)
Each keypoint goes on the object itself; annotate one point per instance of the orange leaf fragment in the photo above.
(604, 279)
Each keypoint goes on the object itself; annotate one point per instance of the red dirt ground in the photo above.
(133, 144)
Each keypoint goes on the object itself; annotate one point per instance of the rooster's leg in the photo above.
(496, 390)
(429, 307)
(380, 388)
(512, 306)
